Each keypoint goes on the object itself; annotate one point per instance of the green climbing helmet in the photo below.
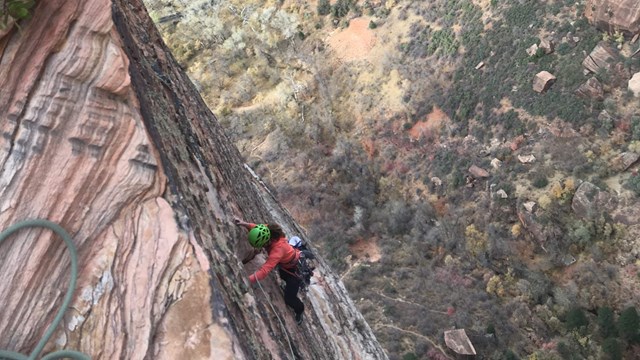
(259, 236)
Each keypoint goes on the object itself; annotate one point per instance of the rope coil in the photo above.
(61, 354)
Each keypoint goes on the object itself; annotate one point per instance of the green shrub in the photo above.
(324, 7)
(635, 127)
(629, 324)
(606, 322)
(565, 351)
(540, 181)
(510, 355)
(15, 9)
(612, 348)
(341, 8)
(410, 356)
(563, 49)
(576, 319)
(443, 40)
(522, 15)
(633, 184)
(372, 25)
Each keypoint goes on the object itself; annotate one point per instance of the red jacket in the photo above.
(280, 252)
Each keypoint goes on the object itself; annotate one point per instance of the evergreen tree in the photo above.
(629, 324)
(606, 322)
(510, 355)
(612, 349)
(576, 319)
(324, 7)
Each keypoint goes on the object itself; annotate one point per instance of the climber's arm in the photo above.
(244, 224)
(274, 258)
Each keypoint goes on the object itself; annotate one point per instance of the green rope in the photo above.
(293, 356)
(61, 354)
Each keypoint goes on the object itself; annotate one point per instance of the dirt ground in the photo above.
(367, 250)
(431, 123)
(355, 42)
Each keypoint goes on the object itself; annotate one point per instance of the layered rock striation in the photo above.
(614, 15)
(103, 133)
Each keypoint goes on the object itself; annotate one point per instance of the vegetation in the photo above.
(576, 319)
(351, 150)
(14, 10)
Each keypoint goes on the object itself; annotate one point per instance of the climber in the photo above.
(281, 254)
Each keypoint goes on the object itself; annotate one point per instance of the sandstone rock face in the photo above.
(600, 57)
(104, 134)
(592, 89)
(610, 15)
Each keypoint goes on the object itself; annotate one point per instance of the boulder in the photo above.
(624, 161)
(458, 341)
(515, 144)
(604, 116)
(592, 89)
(532, 50)
(526, 159)
(622, 15)
(546, 45)
(543, 81)
(541, 232)
(502, 194)
(590, 201)
(478, 172)
(496, 163)
(600, 57)
(634, 84)
(529, 205)
(563, 130)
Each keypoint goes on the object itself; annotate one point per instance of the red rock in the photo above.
(543, 81)
(478, 172)
(622, 15)
(515, 144)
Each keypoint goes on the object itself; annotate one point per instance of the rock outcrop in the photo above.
(590, 201)
(600, 57)
(612, 15)
(103, 133)
(591, 89)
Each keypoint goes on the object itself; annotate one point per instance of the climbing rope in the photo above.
(293, 356)
(61, 354)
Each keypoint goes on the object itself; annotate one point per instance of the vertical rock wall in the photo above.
(103, 133)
